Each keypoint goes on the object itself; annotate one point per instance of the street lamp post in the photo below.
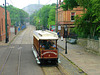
(7, 40)
(57, 17)
(66, 39)
(15, 28)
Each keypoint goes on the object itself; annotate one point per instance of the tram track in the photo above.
(8, 58)
(10, 48)
(5, 61)
(53, 70)
(19, 57)
(19, 60)
(12, 58)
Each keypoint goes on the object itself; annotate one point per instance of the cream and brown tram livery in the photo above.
(45, 46)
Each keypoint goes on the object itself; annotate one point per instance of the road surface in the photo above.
(17, 58)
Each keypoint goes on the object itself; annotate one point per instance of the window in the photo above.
(72, 16)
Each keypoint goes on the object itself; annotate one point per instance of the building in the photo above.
(2, 24)
(67, 18)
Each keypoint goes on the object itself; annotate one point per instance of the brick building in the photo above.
(67, 18)
(2, 24)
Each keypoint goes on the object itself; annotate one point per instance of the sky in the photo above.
(22, 3)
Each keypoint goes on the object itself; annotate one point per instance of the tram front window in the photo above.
(48, 44)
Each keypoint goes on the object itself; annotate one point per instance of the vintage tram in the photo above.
(45, 46)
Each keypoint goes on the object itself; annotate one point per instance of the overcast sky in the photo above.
(22, 3)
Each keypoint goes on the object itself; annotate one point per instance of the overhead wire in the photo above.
(11, 2)
(48, 2)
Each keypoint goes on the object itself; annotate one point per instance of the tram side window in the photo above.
(42, 43)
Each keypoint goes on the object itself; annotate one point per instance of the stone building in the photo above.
(2, 24)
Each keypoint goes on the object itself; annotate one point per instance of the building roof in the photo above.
(45, 35)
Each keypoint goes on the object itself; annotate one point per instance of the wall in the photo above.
(82, 42)
(90, 44)
(93, 45)
(2, 23)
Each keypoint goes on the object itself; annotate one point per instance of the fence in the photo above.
(18, 28)
(21, 27)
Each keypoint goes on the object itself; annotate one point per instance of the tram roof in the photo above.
(45, 35)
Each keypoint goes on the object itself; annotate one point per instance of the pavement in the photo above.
(88, 62)
(11, 37)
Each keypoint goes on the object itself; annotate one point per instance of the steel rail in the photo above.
(5, 61)
(60, 70)
(7, 57)
(19, 56)
(56, 68)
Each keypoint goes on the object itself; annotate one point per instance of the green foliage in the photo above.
(89, 23)
(51, 19)
(82, 27)
(96, 10)
(17, 15)
(46, 16)
(69, 4)
(32, 18)
(84, 3)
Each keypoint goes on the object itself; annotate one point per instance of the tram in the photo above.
(45, 46)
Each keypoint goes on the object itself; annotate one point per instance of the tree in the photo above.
(44, 16)
(17, 15)
(51, 19)
(69, 4)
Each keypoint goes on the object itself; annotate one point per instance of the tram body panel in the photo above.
(49, 54)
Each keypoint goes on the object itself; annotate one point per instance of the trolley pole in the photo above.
(57, 17)
(6, 41)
